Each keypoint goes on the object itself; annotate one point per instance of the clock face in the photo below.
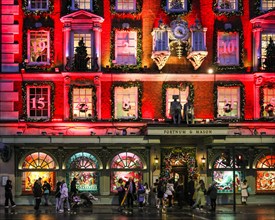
(180, 32)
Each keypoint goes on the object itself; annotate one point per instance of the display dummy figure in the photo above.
(188, 112)
(175, 110)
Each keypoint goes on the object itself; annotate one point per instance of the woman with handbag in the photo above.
(244, 191)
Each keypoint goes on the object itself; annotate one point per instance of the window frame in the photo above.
(134, 6)
(29, 6)
(235, 3)
(264, 9)
(184, 9)
(74, 8)
(161, 40)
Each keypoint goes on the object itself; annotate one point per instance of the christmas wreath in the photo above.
(269, 108)
(227, 108)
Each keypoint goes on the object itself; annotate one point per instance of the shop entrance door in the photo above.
(180, 174)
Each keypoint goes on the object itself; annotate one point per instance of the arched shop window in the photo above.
(223, 173)
(265, 174)
(125, 165)
(84, 166)
(35, 165)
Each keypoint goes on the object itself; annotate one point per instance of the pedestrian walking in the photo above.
(73, 187)
(57, 195)
(200, 199)
(8, 194)
(170, 192)
(160, 193)
(64, 197)
(38, 193)
(46, 192)
(191, 191)
(140, 195)
(180, 194)
(121, 192)
(131, 188)
(212, 193)
(147, 192)
(244, 191)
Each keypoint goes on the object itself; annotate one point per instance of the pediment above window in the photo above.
(81, 16)
(265, 18)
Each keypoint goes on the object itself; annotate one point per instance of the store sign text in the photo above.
(187, 132)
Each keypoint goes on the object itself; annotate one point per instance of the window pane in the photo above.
(267, 4)
(82, 4)
(176, 5)
(39, 4)
(227, 5)
(88, 44)
(228, 48)
(265, 42)
(39, 46)
(269, 102)
(126, 5)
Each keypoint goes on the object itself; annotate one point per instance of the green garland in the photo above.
(167, 85)
(45, 68)
(25, 98)
(137, 11)
(71, 102)
(219, 26)
(164, 6)
(228, 13)
(126, 85)
(261, 101)
(27, 11)
(127, 68)
(242, 98)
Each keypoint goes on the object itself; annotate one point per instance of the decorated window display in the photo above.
(126, 5)
(36, 165)
(38, 101)
(125, 47)
(82, 4)
(265, 174)
(87, 43)
(267, 5)
(176, 5)
(38, 52)
(268, 101)
(82, 102)
(126, 102)
(228, 49)
(228, 102)
(125, 165)
(84, 166)
(227, 5)
(265, 41)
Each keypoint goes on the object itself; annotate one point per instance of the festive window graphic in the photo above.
(126, 103)
(265, 40)
(224, 161)
(228, 102)
(128, 163)
(38, 5)
(38, 47)
(176, 5)
(183, 95)
(125, 48)
(82, 4)
(265, 179)
(227, 5)
(269, 102)
(126, 5)
(36, 162)
(83, 165)
(228, 48)
(87, 40)
(82, 103)
(224, 180)
(38, 102)
(267, 4)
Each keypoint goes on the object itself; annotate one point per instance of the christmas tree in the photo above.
(270, 57)
(81, 57)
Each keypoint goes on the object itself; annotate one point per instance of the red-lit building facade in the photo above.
(86, 87)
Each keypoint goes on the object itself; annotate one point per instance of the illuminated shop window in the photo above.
(160, 40)
(38, 47)
(228, 102)
(87, 39)
(37, 165)
(83, 103)
(265, 179)
(227, 5)
(125, 165)
(126, 5)
(126, 103)
(38, 5)
(169, 98)
(84, 166)
(82, 4)
(264, 43)
(126, 48)
(267, 4)
(38, 102)
(176, 5)
(269, 102)
(228, 49)
(223, 174)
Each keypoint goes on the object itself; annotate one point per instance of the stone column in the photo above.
(97, 29)
(67, 84)
(66, 44)
(257, 45)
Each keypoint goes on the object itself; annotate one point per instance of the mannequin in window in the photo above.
(175, 110)
(188, 112)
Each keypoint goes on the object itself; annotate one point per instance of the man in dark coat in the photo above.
(131, 188)
(8, 194)
(37, 193)
(212, 193)
(73, 187)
